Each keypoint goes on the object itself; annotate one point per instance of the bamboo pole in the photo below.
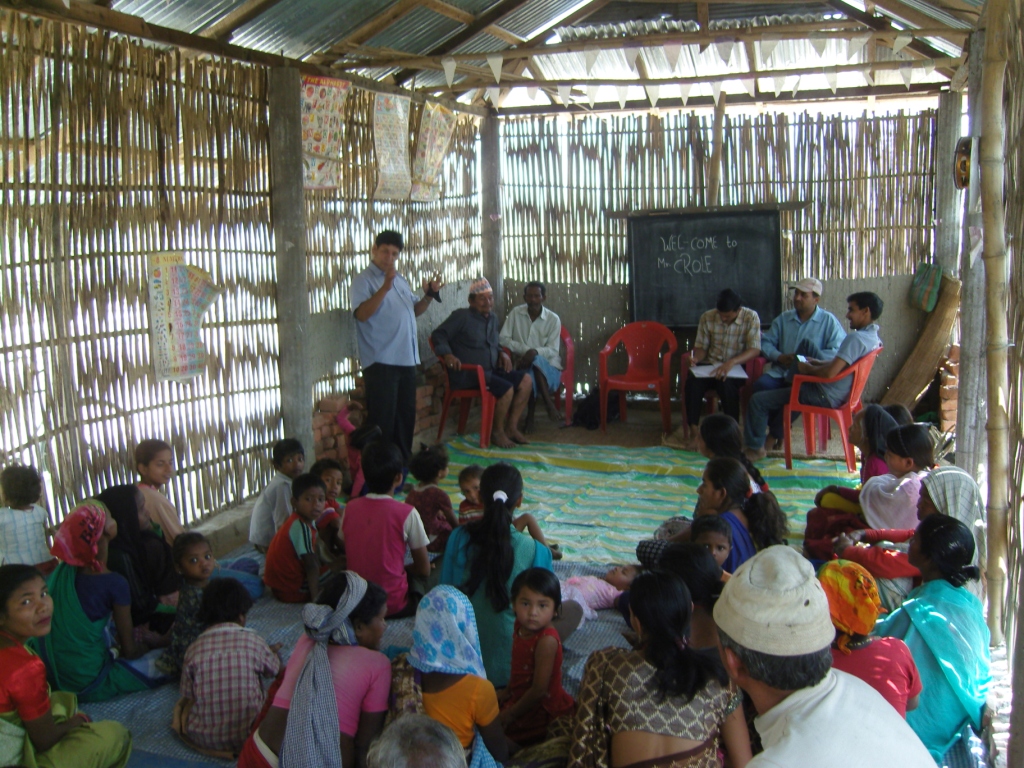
(715, 172)
(994, 255)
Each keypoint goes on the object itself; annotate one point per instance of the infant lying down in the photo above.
(595, 593)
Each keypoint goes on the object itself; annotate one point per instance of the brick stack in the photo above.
(949, 380)
(328, 439)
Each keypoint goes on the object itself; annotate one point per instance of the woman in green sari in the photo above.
(77, 650)
(943, 624)
(40, 728)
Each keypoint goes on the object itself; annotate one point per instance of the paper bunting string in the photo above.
(832, 77)
(590, 56)
(902, 41)
(796, 85)
(631, 52)
(768, 45)
(672, 51)
(591, 95)
(622, 90)
(855, 45)
(448, 64)
(724, 49)
(818, 43)
(777, 83)
(653, 92)
(907, 73)
(495, 60)
(531, 91)
(928, 65)
(563, 93)
(684, 91)
(869, 76)
(493, 92)
(749, 85)
(716, 91)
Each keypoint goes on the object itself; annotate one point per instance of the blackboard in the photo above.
(679, 262)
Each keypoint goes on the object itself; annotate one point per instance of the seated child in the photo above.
(154, 461)
(535, 696)
(867, 432)
(884, 501)
(356, 438)
(471, 507)
(221, 686)
(596, 593)
(43, 727)
(429, 466)
(274, 504)
(884, 663)
(378, 528)
(23, 522)
(193, 559)
(292, 570)
(715, 534)
(330, 545)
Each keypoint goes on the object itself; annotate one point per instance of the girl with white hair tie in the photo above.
(334, 696)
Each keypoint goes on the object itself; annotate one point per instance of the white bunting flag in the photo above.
(749, 85)
(495, 60)
(653, 92)
(818, 43)
(672, 51)
(777, 83)
(563, 93)
(855, 45)
(724, 49)
(768, 45)
(796, 86)
(622, 90)
(492, 93)
(928, 65)
(907, 73)
(592, 95)
(631, 52)
(531, 91)
(869, 76)
(684, 91)
(448, 64)
(716, 91)
(590, 56)
(902, 41)
(832, 77)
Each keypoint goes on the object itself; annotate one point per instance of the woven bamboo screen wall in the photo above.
(113, 150)
(1014, 185)
(561, 179)
(439, 236)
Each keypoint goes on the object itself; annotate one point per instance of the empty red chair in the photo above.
(754, 369)
(843, 415)
(648, 369)
(466, 397)
(568, 380)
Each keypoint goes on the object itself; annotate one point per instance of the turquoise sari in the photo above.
(944, 627)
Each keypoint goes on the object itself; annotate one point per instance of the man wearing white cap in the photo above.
(804, 330)
(775, 635)
(470, 336)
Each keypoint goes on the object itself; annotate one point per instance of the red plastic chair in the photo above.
(643, 342)
(754, 369)
(466, 397)
(568, 380)
(860, 371)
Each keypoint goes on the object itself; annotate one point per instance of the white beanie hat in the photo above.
(774, 604)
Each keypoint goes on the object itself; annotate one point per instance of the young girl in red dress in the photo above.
(535, 696)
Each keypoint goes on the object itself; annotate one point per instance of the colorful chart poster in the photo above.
(391, 140)
(436, 129)
(179, 295)
(323, 107)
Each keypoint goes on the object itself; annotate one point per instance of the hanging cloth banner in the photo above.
(436, 128)
(391, 141)
(179, 295)
(323, 107)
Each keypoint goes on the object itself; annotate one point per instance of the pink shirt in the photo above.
(362, 681)
(376, 530)
(598, 593)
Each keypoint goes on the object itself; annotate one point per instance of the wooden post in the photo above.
(715, 169)
(947, 196)
(971, 447)
(490, 209)
(288, 210)
(994, 254)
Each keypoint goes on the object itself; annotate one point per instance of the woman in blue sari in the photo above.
(943, 624)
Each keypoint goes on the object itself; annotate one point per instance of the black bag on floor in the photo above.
(587, 413)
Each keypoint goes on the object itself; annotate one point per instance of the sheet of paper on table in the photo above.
(704, 371)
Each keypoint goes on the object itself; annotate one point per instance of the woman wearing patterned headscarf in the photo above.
(953, 492)
(452, 685)
(884, 663)
(85, 596)
(336, 682)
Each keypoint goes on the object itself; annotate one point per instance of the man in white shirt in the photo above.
(774, 635)
(532, 333)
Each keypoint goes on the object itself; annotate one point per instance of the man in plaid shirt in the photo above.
(727, 336)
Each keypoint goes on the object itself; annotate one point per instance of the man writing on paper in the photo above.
(804, 330)
(727, 336)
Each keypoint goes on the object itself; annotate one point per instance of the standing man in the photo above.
(727, 336)
(471, 336)
(774, 636)
(386, 310)
(862, 310)
(805, 330)
(532, 333)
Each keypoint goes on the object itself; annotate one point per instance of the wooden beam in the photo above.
(912, 16)
(445, 9)
(735, 99)
(86, 14)
(503, 34)
(703, 17)
(246, 12)
(878, 66)
(492, 15)
(919, 47)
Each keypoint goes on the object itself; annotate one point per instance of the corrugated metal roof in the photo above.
(535, 15)
(186, 15)
(933, 12)
(417, 32)
(299, 27)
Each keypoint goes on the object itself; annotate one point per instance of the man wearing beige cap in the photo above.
(804, 330)
(775, 635)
